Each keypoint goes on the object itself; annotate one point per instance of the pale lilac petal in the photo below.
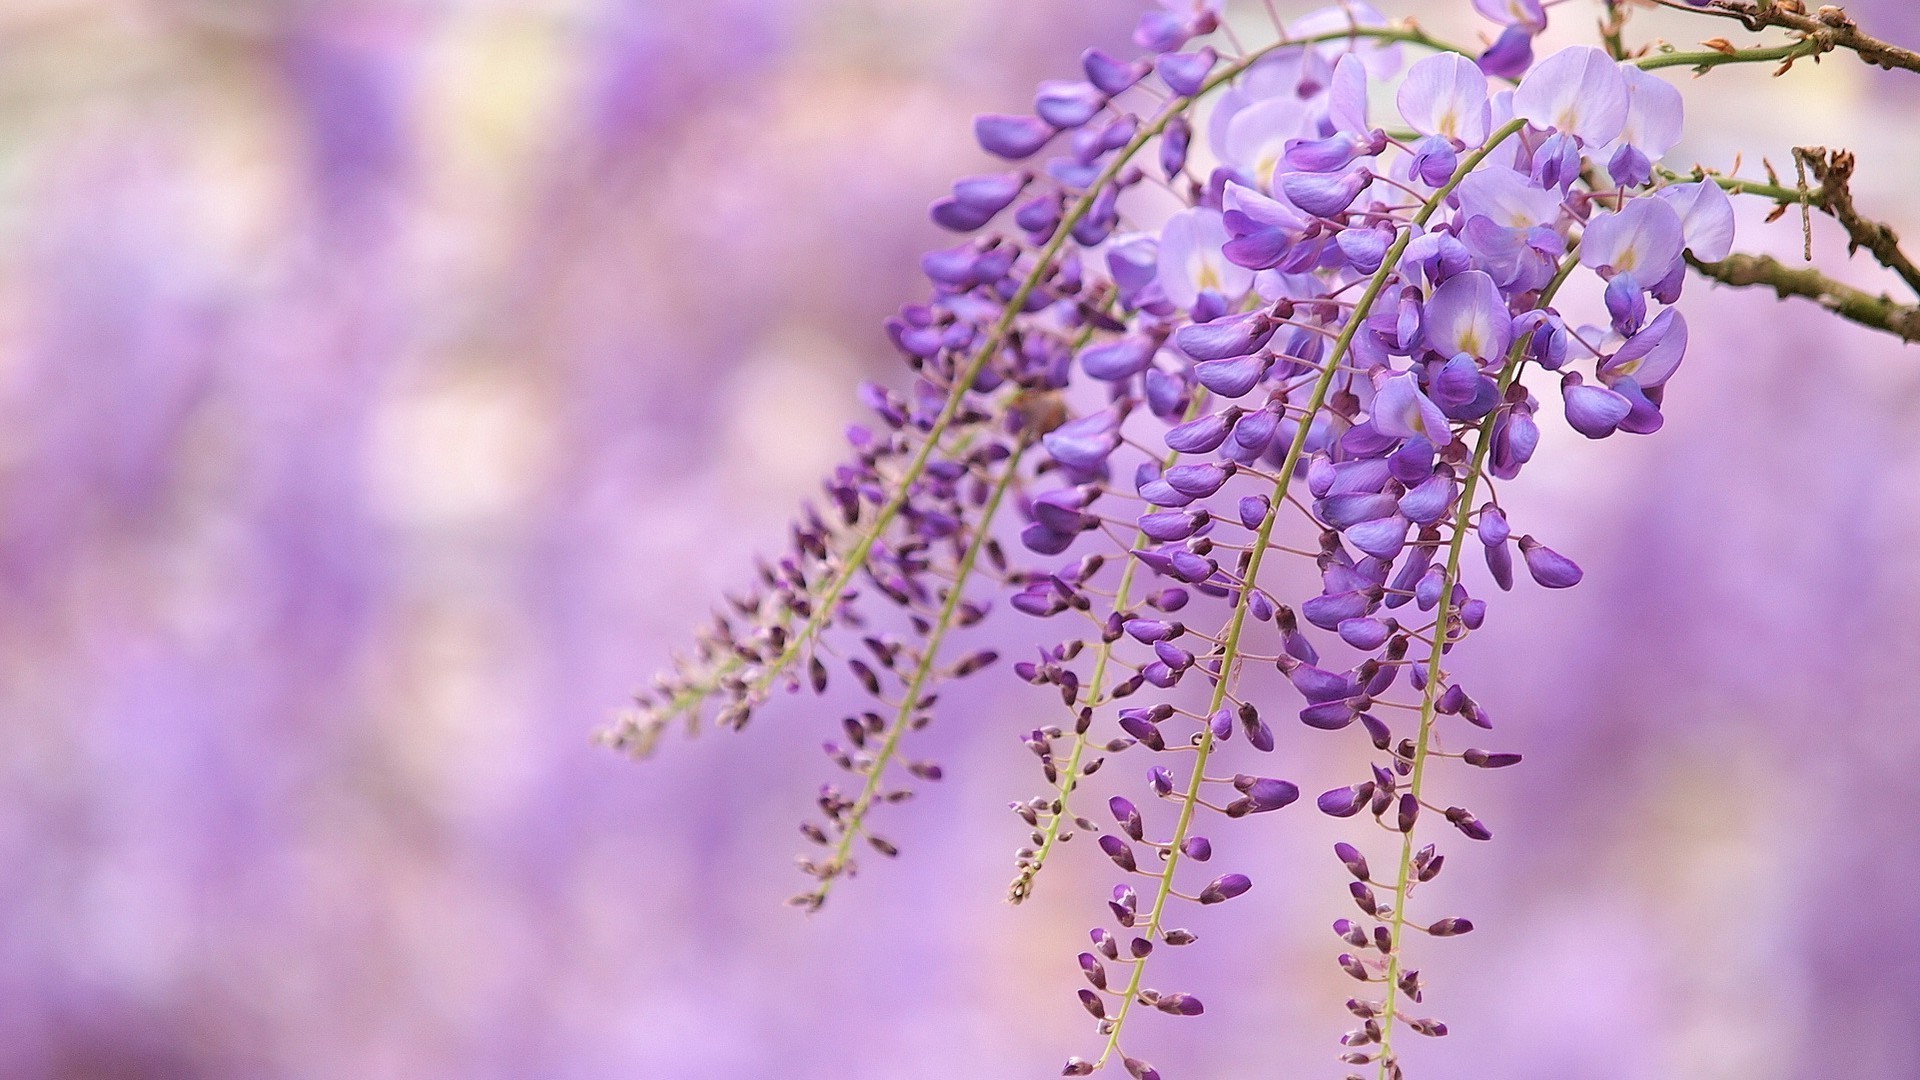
(1191, 261)
(1706, 218)
(1446, 94)
(1643, 239)
(1578, 91)
(1466, 314)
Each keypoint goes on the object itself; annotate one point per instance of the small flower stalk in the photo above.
(1334, 352)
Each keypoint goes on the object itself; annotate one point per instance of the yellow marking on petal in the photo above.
(1264, 169)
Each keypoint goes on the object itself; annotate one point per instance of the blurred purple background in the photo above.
(385, 388)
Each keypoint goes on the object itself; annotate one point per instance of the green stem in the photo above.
(1070, 777)
(1702, 62)
(853, 822)
(1229, 652)
(1403, 884)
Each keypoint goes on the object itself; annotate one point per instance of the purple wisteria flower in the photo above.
(1333, 350)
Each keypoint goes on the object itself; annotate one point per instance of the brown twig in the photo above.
(1833, 171)
(1830, 26)
(1854, 305)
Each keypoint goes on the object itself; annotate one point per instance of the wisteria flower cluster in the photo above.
(1225, 311)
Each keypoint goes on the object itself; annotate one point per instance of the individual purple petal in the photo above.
(1347, 95)
(1115, 360)
(1160, 780)
(1232, 378)
(1084, 444)
(1365, 249)
(1644, 418)
(1109, 73)
(956, 216)
(1221, 339)
(1191, 568)
(1593, 411)
(1201, 435)
(1365, 476)
(1011, 137)
(1060, 510)
(1651, 356)
(1318, 685)
(1331, 154)
(1191, 261)
(1466, 314)
(1655, 112)
(1500, 565)
(1446, 95)
(1630, 167)
(1364, 633)
(1548, 567)
(1492, 526)
(1174, 141)
(1510, 55)
(1515, 437)
(1167, 393)
(1119, 851)
(1706, 218)
(1255, 431)
(1331, 610)
(992, 192)
(1168, 527)
(1175, 657)
(1430, 499)
(1186, 73)
(1267, 794)
(1383, 538)
(1351, 508)
(1160, 493)
(1164, 31)
(1259, 735)
(1473, 613)
(1577, 91)
(1134, 261)
(1528, 15)
(1322, 194)
(1643, 238)
(1343, 802)
(1434, 160)
(1148, 631)
(1412, 462)
(1400, 410)
(1225, 888)
(1197, 481)
(1253, 510)
(1427, 593)
(1626, 303)
(1035, 536)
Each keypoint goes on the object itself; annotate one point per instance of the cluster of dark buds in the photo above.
(1220, 315)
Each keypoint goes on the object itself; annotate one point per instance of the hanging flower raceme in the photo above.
(1330, 351)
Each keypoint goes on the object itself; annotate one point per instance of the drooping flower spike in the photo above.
(1333, 350)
